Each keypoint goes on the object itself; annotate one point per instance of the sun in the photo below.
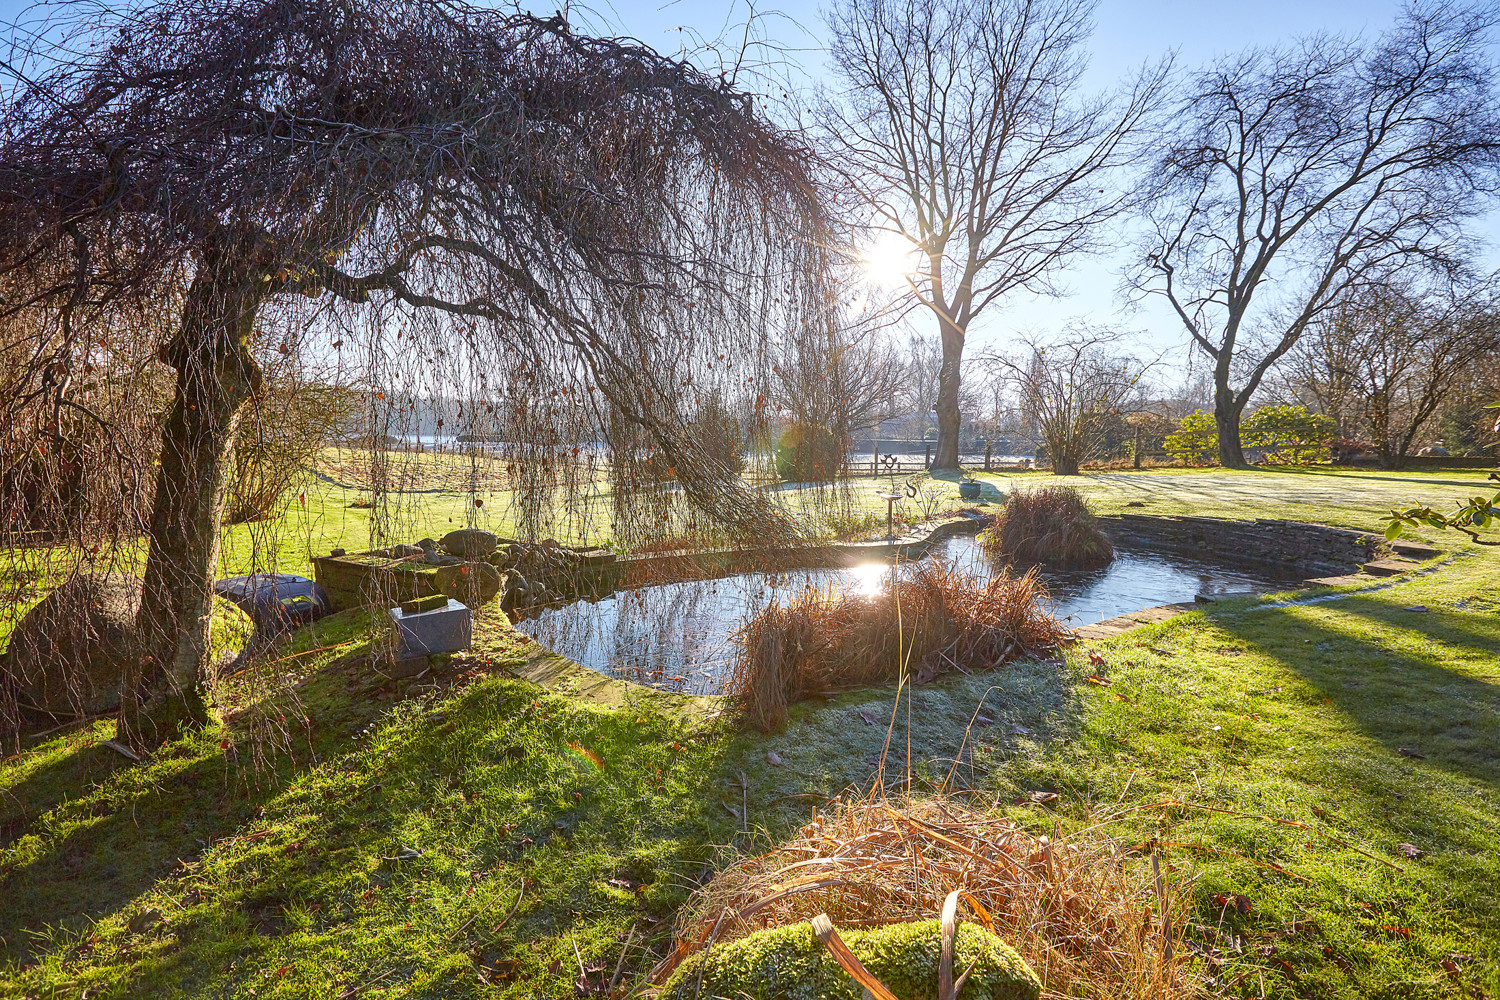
(889, 259)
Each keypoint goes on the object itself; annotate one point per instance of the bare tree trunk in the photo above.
(1227, 413)
(216, 377)
(1064, 465)
(949, 418)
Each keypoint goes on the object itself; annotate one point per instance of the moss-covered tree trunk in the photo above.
(167, 689)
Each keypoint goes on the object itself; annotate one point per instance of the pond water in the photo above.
(679, 636)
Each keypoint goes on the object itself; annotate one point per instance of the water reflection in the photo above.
(679, 636)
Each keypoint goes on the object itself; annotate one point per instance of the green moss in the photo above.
(790, 963)
(229, 629)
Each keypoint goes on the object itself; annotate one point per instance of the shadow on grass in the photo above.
(88, 831)
(1409, 703)
(1395, 476)
(395, 839)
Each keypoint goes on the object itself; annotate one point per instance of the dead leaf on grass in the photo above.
(1411, 850)
(773, 758)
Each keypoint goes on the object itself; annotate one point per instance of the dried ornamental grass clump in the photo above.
(1052, 525)
(1084, 914)
(937, 620)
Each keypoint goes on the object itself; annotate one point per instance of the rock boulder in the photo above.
(471, 583)
(469, 543)
(65, 655)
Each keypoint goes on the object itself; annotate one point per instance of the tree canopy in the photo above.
(573, 227)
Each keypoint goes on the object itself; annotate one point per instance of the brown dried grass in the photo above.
(1083, 910)
(1049, 524)
(939, 619)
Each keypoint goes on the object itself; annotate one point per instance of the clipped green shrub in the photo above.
(790, 963)
(1195, 441)
(1290, 435)
(808, 453)
(1050, 524)
(719, 435)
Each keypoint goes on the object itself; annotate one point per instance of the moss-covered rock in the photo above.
(68, 653)
(790, 963)
(229, 630)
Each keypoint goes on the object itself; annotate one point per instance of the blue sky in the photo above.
(1129, 33)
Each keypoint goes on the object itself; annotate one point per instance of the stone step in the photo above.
(1415, 550)
(1389, 567)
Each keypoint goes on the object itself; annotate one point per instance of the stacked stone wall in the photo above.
(1289, 548)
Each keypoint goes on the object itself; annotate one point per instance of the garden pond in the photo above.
(680, 636)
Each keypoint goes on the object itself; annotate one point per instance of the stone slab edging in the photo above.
(701, 564)
(551, 670)
(1359, 585)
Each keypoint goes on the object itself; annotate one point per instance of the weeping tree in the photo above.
(579, 219)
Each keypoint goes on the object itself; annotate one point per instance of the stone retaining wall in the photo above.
(1289, 548)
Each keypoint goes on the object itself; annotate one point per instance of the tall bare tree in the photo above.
(1392, 355)
(579, 211)
(962, 130)
(1290, 174)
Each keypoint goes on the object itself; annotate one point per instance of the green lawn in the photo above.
(471, 834)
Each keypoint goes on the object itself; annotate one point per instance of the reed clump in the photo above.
(935, 620)
(1083, 911)
(1049, 524)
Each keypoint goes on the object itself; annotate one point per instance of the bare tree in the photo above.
(1290, 174)
(1391, 356)
(839, 374)
(961, 131)
(1070, 389)
(582, 216)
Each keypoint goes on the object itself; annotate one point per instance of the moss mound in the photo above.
(66, 655)
(789, 963)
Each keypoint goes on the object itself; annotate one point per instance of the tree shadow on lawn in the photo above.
(1412, 703)
(88, 831)
(1396, 477)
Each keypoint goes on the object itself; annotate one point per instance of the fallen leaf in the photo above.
(1451, 967)
(1411, 850)
(1409, 752)
(983, 720)
(1019, 731)
(773, 758)
(1416, 607)
(1320, 813)
(869, 718)
(1237, 900)
(1041, 798)
(1096, 658)
(1096, 679)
